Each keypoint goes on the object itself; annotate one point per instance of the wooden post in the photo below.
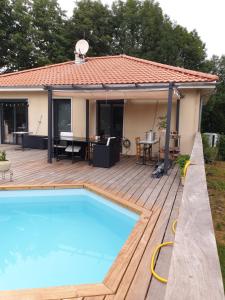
(87, 118)
(168, 121)
(50, 106)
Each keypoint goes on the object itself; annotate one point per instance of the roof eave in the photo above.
(98, 87)
(21, 88)
(197, 85)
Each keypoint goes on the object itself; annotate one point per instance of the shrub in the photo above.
(222, 147)
(181, 161)
(210, 153)
(3, 156)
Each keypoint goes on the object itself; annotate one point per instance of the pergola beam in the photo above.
(113, 87)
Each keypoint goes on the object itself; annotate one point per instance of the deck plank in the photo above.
(157, 289)
(138, 255)
(140, 283)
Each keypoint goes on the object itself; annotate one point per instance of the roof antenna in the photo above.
(81, 49)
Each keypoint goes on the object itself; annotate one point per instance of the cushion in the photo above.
(73, 149)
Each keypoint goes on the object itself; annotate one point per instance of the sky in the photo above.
(206, 16)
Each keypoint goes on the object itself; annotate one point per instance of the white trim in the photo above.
(22, 89)
(193, 86)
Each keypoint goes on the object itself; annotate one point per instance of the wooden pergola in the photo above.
(169, 87)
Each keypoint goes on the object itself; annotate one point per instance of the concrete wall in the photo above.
(189, 120)
(78, 117)
(139, 116)
(143, 115)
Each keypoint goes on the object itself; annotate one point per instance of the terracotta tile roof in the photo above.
(120, 69)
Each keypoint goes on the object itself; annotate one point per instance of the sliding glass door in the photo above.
(62, 116)
(14, 118)
(110, 118)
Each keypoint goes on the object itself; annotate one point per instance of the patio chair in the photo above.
(73, 149)
(139, 149)
(106, 155)
(60, 146)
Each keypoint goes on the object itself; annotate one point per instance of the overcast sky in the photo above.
(206, 16)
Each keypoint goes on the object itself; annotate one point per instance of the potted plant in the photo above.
(162, 123)
(181, 161)
(4, 163)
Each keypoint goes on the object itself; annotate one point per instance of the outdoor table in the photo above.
(147, 146)
(22, 134)
(87, 142)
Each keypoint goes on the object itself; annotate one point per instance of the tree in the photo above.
(213, 118)
(48, 32)
(191, 50)
(91, 20)
(126, 27)
(5, 31)
(141, 29)
(21, 48)
(37, 32)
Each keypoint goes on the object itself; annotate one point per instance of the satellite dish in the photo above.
(82, 47)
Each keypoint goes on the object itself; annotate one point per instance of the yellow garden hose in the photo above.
(174, 225)
(186, 166)
(164, 280)
(161, 279)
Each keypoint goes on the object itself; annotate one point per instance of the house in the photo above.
(117, 95)
(122, 96)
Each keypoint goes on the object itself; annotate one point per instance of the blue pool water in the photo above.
(59, 237)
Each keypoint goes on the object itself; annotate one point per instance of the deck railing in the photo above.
(195, 270)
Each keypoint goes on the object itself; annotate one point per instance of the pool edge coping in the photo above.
(115, 274)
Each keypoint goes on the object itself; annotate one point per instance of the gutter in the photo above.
(21, 89)
(111, 87)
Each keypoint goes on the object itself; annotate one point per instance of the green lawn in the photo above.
(216, 185)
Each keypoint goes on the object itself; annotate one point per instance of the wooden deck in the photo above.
(127, 180)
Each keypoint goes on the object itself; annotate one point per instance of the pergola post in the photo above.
(50, 106)
(168, 123)
(87, 118)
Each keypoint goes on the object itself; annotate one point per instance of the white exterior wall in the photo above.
(189, 120)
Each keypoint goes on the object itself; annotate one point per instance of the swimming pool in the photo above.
(59, 237)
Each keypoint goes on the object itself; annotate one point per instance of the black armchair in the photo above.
(106, 155)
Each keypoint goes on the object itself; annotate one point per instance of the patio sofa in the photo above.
(35, 141)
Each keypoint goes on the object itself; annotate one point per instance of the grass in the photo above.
(221, 251)
(216, 186)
